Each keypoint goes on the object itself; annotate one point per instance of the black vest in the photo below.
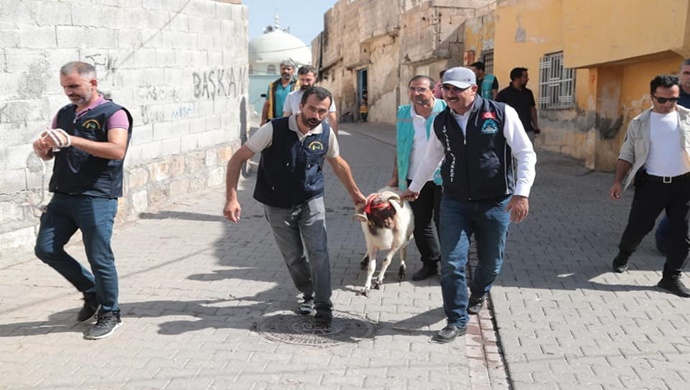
(78, 173)
(479, 165)
(291, 172)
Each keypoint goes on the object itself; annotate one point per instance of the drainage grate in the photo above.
(300, 330)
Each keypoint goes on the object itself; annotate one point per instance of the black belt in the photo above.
(667, 179)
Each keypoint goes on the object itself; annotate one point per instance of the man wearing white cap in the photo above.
(487, 170)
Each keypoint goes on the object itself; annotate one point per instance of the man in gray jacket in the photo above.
(656, 154)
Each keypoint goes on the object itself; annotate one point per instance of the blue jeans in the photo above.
(488, 220)
(95, 218)
(304, 226)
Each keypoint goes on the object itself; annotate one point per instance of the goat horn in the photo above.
(388, 195)
(361, 217)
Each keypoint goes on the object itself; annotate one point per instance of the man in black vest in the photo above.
(290, 184)
(89, 140)
(477, 141)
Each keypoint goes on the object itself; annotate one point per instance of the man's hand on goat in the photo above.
(518, 207)
(232, 211)
(359, 200)
(409, 195)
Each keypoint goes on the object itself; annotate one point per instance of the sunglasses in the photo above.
(663, 100)
(418, 89)
(451, 88)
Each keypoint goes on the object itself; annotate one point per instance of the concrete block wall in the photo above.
(179, 66)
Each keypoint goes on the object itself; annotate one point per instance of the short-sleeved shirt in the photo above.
(280, 96)
(521, 101)
(263, 137)
(294, 99)
(118, 120)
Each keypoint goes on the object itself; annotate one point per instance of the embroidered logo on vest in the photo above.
(489, 126)
(315, 145)
(92, 124)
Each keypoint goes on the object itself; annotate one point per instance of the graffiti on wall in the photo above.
(152, 114)
(105, 64)
(220, 83)
(161, 113)
(157, 93)
(182, 111)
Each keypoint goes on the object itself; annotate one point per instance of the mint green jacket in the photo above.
(485, 90)
(405, 138)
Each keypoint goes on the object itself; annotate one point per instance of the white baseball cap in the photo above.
(460, 77)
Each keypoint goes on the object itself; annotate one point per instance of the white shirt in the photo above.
(263, 137)
(516, 137)
(418, 144)
(293, 100)
(666, 151)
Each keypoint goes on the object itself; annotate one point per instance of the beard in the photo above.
(79, 100)
(311, 123)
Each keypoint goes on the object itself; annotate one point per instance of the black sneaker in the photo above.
(106, 324)
(475, 304)
(674, 286)
(90, 307)
(323, 318)
(425, 272)
(306, 308)
(449, 333)
(620, 263)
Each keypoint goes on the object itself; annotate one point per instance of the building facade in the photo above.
(590, 70)
(373, 47)
(168, 62)
(590, 62)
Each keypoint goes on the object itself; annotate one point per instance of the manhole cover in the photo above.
(296, 329)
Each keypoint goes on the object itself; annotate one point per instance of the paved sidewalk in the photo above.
(195, 291)
(198, 294)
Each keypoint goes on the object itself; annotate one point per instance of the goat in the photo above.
(387, 223)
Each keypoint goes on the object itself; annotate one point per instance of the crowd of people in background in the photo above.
(464, 159)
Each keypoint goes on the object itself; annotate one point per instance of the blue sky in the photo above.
(304, 17)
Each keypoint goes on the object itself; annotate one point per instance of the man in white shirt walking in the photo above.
(656, 156)
(477, 140)
(307, 77)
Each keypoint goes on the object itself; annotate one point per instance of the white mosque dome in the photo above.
(274, 47)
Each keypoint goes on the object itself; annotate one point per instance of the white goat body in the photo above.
(387, 224)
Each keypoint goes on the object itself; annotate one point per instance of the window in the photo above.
(271, 69)
(556, 83)
(488, 60)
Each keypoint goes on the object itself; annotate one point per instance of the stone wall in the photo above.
(179, 66)
(393, 41)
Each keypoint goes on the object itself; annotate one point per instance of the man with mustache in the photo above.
(307, 77)
(88, 140)
(290, 184)
(476, 140)
(278, 91)
(413, 128)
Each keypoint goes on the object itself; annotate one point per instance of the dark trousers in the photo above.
(426, 216)
(652, 196)
(95, 218)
